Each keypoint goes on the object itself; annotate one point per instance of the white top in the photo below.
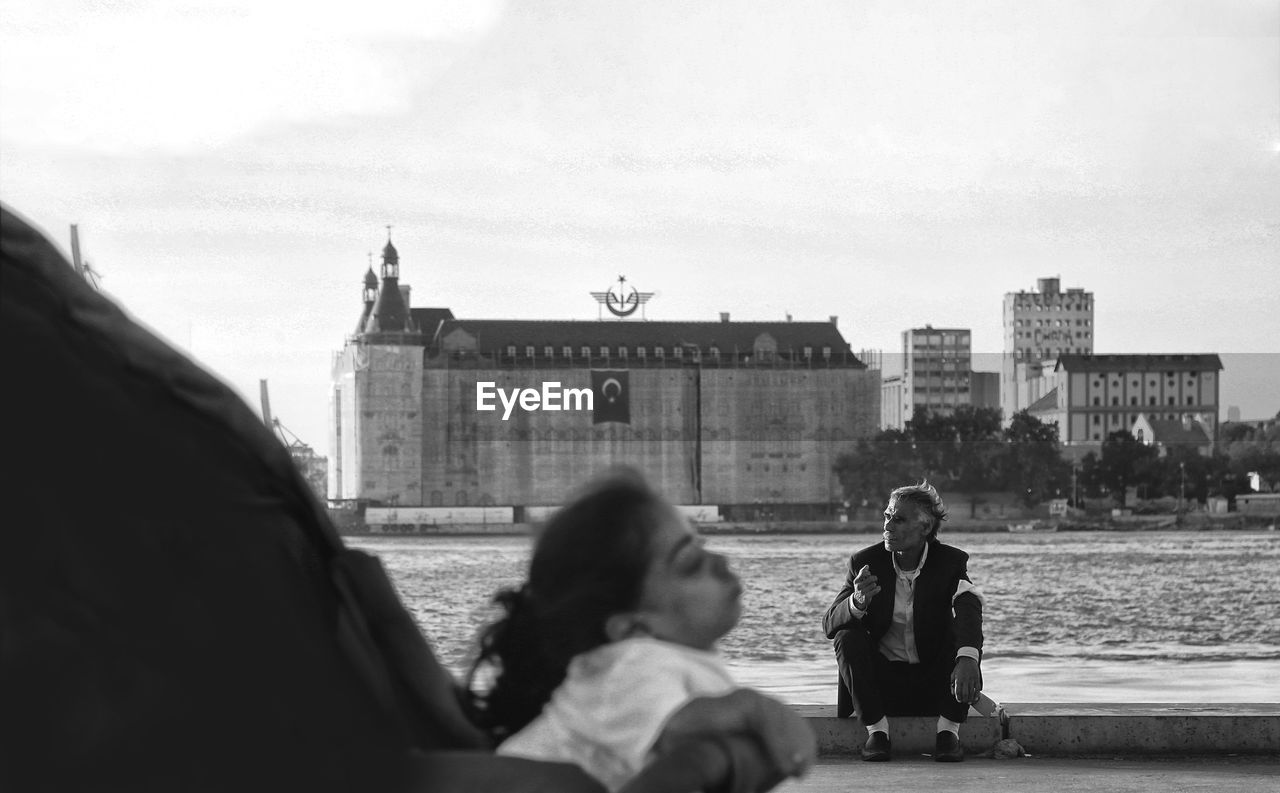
(614, 704)
(899, 642)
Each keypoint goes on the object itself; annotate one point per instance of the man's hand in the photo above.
(864, 587)
(966, 680)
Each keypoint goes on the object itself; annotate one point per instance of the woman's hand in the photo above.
(787, 739)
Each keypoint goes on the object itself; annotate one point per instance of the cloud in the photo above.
(189, 76)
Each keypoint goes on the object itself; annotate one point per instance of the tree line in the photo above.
(968, 452)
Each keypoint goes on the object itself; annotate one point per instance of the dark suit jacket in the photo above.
(939, 632)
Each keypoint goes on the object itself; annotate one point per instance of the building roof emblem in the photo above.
(620, 301)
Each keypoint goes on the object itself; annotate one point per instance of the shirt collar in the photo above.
(909, 575)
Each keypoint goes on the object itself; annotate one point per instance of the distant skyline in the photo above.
(231, 165)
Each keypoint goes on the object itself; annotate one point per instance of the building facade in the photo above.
(936, 375)
(984, 389)
(1040, 325)
(893, 403)
(724, 412)
(1164, 434)
(1091, 396)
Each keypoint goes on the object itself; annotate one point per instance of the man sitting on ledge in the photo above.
(907, 627)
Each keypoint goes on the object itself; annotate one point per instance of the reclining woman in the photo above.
(606, 654)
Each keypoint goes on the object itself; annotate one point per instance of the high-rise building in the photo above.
(1040, 325)
(935, 374)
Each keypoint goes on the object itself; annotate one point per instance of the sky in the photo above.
(232, 165)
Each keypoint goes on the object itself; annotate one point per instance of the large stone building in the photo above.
(1091, 396)
(729, 413)
(1042, 324)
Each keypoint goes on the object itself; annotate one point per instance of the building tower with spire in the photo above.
(390, 315)
(376, 400)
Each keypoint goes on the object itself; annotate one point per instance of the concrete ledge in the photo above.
(1077, 729)
(909, 734)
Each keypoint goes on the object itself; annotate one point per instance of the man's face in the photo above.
(906, 526)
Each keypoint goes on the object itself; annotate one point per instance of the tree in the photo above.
(876, 466)
(960, 451)
(1123, 456)
(1032, 463)
(1256, 457)
(1184, 472)
(1090, 479)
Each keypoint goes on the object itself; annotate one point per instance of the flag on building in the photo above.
(611, 395)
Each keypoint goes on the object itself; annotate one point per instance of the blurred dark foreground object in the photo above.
(178, 613)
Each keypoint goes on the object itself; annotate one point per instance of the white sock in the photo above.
(945, 724)
(880, 726)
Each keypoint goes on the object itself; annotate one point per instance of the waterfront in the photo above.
(1070, 617)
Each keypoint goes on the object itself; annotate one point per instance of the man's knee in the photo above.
(849, 642)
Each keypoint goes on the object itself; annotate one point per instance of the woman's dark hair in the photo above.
(589, 562)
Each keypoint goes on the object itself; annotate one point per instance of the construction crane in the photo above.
(314, 468)
(82, 266)
(286, 436)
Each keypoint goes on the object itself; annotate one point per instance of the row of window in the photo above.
(1028, 304)
(920, 356)
(1050, 323)
(1133, 400)
(1052, 352)
(937, 340)
(1080, 334)
(1152, 380)
(623, 352)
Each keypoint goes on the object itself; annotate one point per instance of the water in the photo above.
(1070, 617)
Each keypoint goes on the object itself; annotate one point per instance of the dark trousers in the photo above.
(880, 687)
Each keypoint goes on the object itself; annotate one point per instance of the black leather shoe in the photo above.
(947, 748)
(877, 748)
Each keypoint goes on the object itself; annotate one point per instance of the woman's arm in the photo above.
(716, 764)
(787, 741)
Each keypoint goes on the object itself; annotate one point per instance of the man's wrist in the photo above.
(968, 652)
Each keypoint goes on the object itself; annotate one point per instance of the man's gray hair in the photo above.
(926, 496)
